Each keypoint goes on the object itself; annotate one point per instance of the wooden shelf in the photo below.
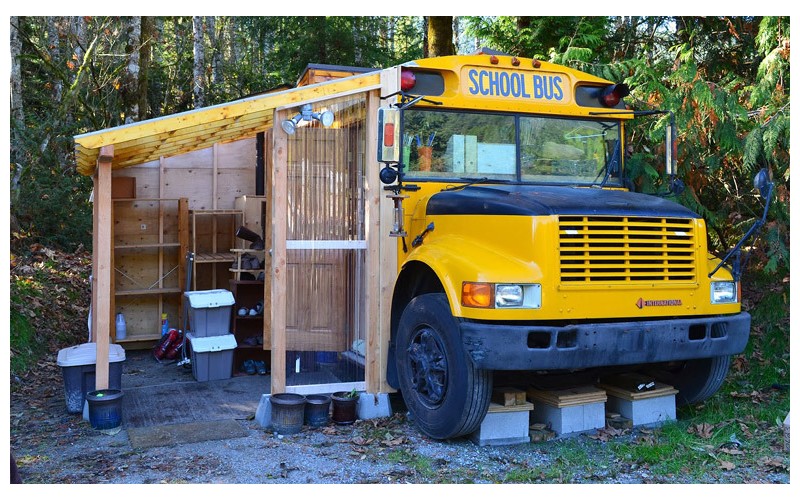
(210, 250)
(247, 294)
(147, 291)
(150, 238)
(210, 258)
(146, 246)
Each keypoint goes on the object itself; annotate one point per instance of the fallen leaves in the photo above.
(608, 433)
(703, 430)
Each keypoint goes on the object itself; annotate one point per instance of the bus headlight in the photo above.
(723, 292)
(508, 296)
(501, 295)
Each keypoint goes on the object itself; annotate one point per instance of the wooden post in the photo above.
(373, 190)
(280, 144)
(267, 226)
(390, 83)
(101, 265)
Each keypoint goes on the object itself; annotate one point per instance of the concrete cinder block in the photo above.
(373, 406)
(504, 425)
(264, 411)
(571, 419)
(645, 411)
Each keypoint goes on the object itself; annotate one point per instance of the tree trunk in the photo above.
(199, 62)
(440, 36)
(54, 50)
(17, 110)
(358, 41)
(425, 45)
(79, 30)
(131, 78)
(214, 38)
(145, 61)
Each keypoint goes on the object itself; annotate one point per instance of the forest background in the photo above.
(726, 78)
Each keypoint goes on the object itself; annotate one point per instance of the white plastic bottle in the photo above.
(122, 330)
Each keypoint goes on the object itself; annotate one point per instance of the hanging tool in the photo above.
(189, 265)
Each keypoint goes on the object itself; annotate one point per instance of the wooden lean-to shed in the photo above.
(184, 184)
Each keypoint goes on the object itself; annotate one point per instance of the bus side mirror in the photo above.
(671, 147)
(762, 182)
(389, 135)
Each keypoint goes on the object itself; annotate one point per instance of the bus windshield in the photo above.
(521, 148)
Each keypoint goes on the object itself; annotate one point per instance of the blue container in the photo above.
(318, 408)
(105, 408)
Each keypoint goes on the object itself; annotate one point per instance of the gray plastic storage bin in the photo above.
(212, 357)
(209, 312)
(78, 367)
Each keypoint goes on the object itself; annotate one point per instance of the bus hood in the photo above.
(529, 200)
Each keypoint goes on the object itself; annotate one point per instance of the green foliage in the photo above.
(25, 349)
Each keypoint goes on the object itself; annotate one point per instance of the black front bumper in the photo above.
(527, 347)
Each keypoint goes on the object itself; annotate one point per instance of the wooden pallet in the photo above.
(633, 386)
(568, 397)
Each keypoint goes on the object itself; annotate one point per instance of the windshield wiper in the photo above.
(471, 181)
(613, 159)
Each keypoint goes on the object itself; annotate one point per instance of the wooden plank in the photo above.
(278, 189)
(499, 408)
(634, 386)
(102, 265)
(508, 396)
(568, 397)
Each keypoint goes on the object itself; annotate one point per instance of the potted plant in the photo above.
(344, 407)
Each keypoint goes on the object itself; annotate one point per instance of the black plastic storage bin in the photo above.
(78, 367)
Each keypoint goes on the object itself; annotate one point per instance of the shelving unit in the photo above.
(209, 253)
(150, 241)
(237, 268)
(247, 293)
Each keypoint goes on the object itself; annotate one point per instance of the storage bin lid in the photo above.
(212, 344)
(86, 354)
(204, 299)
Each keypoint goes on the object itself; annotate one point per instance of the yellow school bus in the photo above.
(523, 250)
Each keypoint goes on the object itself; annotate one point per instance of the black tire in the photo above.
(447, 396)
(695, 379)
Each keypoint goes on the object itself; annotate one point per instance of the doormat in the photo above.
(192, 432)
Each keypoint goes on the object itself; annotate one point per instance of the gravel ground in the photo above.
(53, 447)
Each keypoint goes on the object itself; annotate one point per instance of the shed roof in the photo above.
(180, 133)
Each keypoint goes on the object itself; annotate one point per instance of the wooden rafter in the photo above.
(192, 130)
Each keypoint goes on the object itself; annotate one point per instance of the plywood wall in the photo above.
(211, 178)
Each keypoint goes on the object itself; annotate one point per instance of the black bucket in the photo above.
(287, 412)
(105, 408)
(318, 408)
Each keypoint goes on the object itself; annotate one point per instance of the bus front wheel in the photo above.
(446, 395)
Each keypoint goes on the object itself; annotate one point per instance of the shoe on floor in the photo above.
(249, 367)
(261, 367)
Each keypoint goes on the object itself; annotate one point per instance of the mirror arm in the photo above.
(736, 249)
